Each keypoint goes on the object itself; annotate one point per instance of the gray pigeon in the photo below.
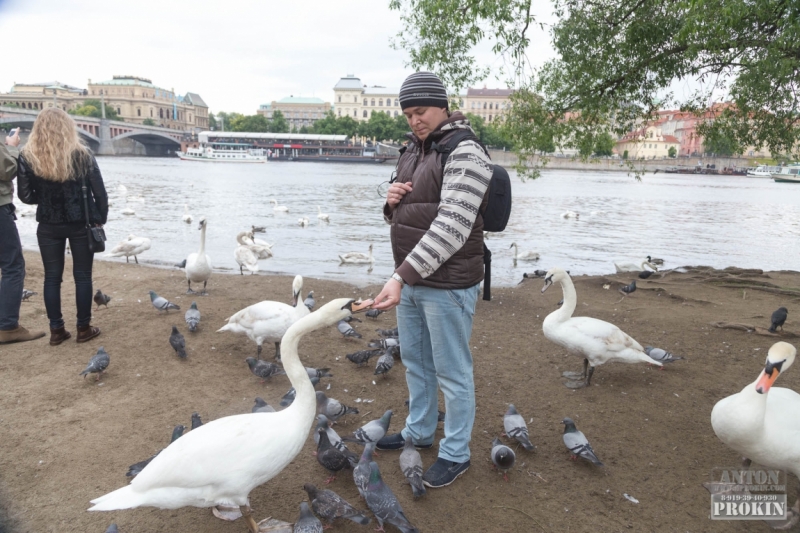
(135, 469)
(535, 274)
(162, 304)
(101, 299)
(262, 407)
(662, 356)
(347, 330)
(644, 274)
(384, 364)
(332, 408)
(778, 319)
(177, 342)
(264, 369)
(97, 364)
(411, 466)
(182, 264)
(387, 332)
(374, 313)
(333, 437)
(503, 457)
(372, 431)
(288, 398)
(627, 289)
(307, 522)
(196, 420)
(361, 470)
(27, 294)
(318, 373)
(332, 458)
(384, 344)
(361, 357)
(112, 529)
(310, 302)
(382, 501)
(577, 444)
(192, 317)
(516, 428)
(330, 506)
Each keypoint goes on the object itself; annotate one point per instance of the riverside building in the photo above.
(297, 110)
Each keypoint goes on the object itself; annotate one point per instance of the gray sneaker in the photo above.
(443, 472)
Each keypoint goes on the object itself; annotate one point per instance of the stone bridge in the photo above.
(103, 136)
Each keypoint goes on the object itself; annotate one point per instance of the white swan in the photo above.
(523, 256)
(303, 221)
(281, 208)
(220, 462)
(132, 246)
(187, 217)
(322, 216)
(629, 266)
(198, 264)
(598, 342)
(244, 255)
(262, 249)
(570, 214)
(128, 211)
(357, 258)
(269, 320)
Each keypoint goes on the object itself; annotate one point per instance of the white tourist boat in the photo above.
(225, 153)
(763, 171)
(788, 174)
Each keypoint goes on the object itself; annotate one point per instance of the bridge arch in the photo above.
(154, 142)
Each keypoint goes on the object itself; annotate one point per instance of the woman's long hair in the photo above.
(54, 151)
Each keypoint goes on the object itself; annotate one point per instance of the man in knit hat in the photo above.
(437, 243)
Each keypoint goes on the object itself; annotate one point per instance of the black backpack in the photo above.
(498, 208)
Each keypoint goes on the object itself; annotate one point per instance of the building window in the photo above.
(490, 118)
(138, 112)
(365, 113)
(340, 112)
(396, 102)
(395, 112)
(380, 102)
(119, 112)
(484, 105)
(151, 111)
(365, 103)
(373, 102)
(355, 113)
(340, 99)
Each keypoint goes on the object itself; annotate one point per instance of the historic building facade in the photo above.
(298, 111)
(353, 99)
(489, 104)
(647, 143)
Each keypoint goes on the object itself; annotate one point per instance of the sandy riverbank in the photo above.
(65, 440)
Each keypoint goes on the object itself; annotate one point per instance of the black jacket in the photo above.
(62, 202)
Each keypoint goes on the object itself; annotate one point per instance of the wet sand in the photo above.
(65, 440)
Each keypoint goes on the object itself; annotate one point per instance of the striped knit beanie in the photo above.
(423, 89)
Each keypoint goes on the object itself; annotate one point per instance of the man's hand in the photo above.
(13, 140)
(389, 296)
(396, 193)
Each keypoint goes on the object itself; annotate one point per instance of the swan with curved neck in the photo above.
(244, 255)
(276, 207)
(525, 255)
(629, 266)
(198, 265)
(220, 462)
(322, 216)
(357, 258)
(597, 341)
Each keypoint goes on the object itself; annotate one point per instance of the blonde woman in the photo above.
(52, 166)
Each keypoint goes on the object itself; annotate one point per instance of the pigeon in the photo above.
(101, 299)
(97, 364)
(192, 317)
(162, 304)
(258, 229)
(307, 522)
(384, 364)
(644, 274)
(262, 407)
(332, 408)
(411, 466)
(330, 506)
(27, 294)
(778, 318)
(503, 457)
(288, 398)
(347, 330)
(112, 529)
(134, 469)
(361, 470)
(310, 302)
(388, 332)
(655, 260)
(627, 289)
(516, 428)
(332, 458)
(196, 420)
(374, 313)
(352, 319)
(361, 357)
(535, 274)
(384, 344)
(333, 437)
(372, 431)
(576, 442)
(318, 373)
(383, 503)
(660, 355)
(264, 369)
(182, 264)
(177, 342)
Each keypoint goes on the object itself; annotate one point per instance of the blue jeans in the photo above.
(12, 269)
(435, 326)
(52, 244)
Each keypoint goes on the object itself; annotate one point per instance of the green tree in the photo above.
(625, 154)
(346, 126)
(149, 122)
(720, 142)
(212, 121)
(91, 108)
(380, 126)
(604, 145)
(251, 123)
(616, 60)
(224, 120)
(672, 152)
(401, 128)
(278, 123)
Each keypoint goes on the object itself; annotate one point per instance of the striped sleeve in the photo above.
(466, 178)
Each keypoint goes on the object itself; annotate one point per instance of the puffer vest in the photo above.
(415, 213)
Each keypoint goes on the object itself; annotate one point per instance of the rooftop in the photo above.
(348, 82)
(300, 100)
(194, 99)
(490, 92)
(50, 85)
(376, 90)
(129, 80)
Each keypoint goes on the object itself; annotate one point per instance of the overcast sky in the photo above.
(236, 54)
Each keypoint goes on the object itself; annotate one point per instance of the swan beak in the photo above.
(547, 284)
(357, 307)
(294, 299)
(765, 381)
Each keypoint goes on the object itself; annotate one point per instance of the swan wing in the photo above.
(600, 341)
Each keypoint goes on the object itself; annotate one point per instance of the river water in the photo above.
(718, 221)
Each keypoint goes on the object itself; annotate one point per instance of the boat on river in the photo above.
(762, 171)
(788, 174)
(224, 153)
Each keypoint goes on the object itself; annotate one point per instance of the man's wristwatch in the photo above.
(398, 279)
